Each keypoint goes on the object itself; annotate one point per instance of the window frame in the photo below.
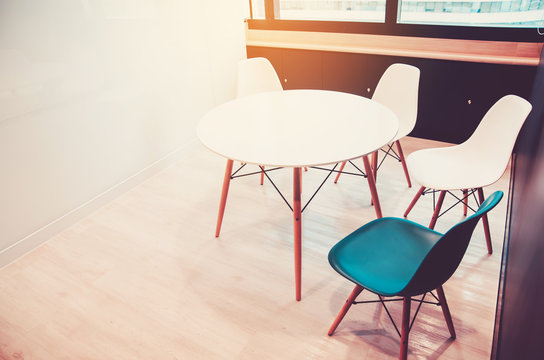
(392, 27)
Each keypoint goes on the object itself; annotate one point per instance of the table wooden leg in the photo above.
(297, 229)
(372, 186)
(375, 164)
(224, 193)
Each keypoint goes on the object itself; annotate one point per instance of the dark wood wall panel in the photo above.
(518, 325)
(352, 73)
(453, 95)
(302, 69)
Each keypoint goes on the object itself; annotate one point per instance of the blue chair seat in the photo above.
(384, 255)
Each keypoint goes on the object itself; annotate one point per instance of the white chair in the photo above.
(478, 162)
(398, 90)
(256, 75)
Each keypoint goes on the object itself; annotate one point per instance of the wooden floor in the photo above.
(145, 278)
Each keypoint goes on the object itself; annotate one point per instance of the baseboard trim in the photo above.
(40, 236)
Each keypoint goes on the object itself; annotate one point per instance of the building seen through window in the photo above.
(257, 9)
(507, 13)
(333, 10)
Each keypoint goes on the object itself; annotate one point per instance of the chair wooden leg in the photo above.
(372, 186)
(224, 193)
(414, 200)
(485, 223)
(437, 209)
(262, 175)
(356, 291)
(340, 172)
(403, 161)
(465, 202)
(445, 310)
(375, 164)
(297, 220)
(405, 330)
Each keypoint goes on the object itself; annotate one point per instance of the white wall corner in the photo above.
(40, 236)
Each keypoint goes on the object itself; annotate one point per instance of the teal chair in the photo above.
(397, 257)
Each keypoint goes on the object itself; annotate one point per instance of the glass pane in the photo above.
(257, 7)
(496, 13)
(332, 10)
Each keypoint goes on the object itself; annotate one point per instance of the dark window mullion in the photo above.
(271, 7)
(391, 10)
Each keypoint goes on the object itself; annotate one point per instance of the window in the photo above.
(332, 10)
(496, 13)
(257, 9)
(506, 20)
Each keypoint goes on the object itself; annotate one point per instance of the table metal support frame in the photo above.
(296, 208)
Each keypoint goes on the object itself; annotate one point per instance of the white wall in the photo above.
(94, 91)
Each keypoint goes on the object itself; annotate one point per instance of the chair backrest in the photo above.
(398, 90)
(495, 137)
(445, 256)
(256, 75)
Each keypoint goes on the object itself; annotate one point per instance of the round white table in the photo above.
(297, 128)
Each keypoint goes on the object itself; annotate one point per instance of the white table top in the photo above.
(296, 128)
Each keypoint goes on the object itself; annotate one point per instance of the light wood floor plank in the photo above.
(145, 278)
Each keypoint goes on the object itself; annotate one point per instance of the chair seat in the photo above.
(453, 168)
(383, 255)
